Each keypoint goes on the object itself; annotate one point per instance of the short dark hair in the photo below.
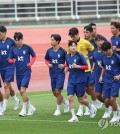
(57, 37)
(92, 24)
(115, 24)
(88, 28)
(70, 42)
(106, 45)
(3, 29)
(18, 35)
(73, 31)
(99, 37)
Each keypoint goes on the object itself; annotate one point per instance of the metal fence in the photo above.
(19, 10)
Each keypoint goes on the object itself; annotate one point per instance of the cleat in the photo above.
(92, 111)
(114, 119)
(87, 111)
(31, 110)
(16, 106)
(22, 113)
(2, 112)
(106, 115)
(80, 111)
(66, 106)
(57, 113)
(73, 119)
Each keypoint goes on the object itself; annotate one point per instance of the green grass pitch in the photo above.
(43, 121)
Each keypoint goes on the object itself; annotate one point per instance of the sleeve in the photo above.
(89, 46)
(32, 52)
(83, 60)
(11, 54)
(47, 56)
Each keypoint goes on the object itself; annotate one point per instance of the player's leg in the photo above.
(57, 86)
(107, 102)
(80, 91)
(22, 83)
(70, 93)
(99, 94)
(25, 101)
(90, 88)
(1, 98)
(13, 95)
(113, 101)
(59, 99)
(6, 94)
(8, 77)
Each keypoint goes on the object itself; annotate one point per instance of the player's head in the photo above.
(3, 31)
(18, 37)
(99, 40)
(88, 32)
(72, 46)
(115, 28)
(93, 25)
(55, 39)
(107, 48)
(74, 34)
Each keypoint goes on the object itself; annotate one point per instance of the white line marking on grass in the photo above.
(53, 121)
(43, 95)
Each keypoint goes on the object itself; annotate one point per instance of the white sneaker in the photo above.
(31, 110)
(87, 111)
(118, 113)
(73, 119)
(114, 119)
(2, 112)
(22, 113)
(80, 111)
(92, 111)
(99, 104)
(106, 115)
(57, 113)
(66, 106)
(16, 106)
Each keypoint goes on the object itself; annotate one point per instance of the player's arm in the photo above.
(117, 77)
(47, 62)
(102, 73)
(84, 65)
(33, 57)
(93, 67)
(116, 48)
(11, 58)
(31, 62)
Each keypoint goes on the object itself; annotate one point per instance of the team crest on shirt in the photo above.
(24, 52)
(58, 55)
(112, 61)
(7, 46)
(74, 60)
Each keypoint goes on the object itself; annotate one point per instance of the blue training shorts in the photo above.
(23, 80)
(89, 79)
(57, 82)
(76, 88)
(7, 75)
(111, 90)
(98, 87)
